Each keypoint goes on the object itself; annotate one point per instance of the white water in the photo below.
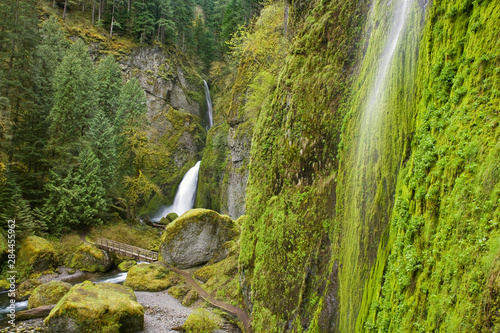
(209, 105)
(185, 196)
(399, 19)
(118, 278)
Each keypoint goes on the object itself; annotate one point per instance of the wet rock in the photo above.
(37, 253)
(48, 293)
(89, 258)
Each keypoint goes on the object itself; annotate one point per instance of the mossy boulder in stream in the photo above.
(48, 293)
(103, 307)
(196, 237)
(151, 277)
(125, 266)
(37, 253)
(89, 258)
(26, 288)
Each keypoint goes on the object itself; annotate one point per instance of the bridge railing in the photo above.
(126, 250)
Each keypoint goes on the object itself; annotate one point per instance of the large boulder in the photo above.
(38, 254)
(196, 237)
(90, 258)
(48, 293)
(151, 277)
(103, 307)
(26, 288)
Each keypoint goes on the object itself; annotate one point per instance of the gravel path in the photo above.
(161, 312)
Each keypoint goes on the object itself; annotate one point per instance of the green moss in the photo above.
(151, 277)
(37, 254)
(222, 279)
(126, 265)
(440, 266)
(140, 235)
(26, 288)
(191, 297)
(90, 258)
(226, 226)
(179, 291)
(102, 307)
(201, 321)
(48, 293)
(3, 244)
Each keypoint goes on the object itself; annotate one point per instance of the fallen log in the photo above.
(40, 312)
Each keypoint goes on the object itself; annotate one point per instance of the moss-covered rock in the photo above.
(90, 258)
(201, 321)
(151, 277)
(26, 288)
(93, 308)
(38, 254)
(48, 293)
(191, 297)
(195, 237)
(125, 266)
(179, 291)
(168, 219)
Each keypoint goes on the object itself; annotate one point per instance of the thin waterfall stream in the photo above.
(186, 193)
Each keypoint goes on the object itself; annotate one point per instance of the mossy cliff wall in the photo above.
(384, 227)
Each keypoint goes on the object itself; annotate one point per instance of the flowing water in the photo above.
(368, 181)
(209, 105)
(113, 276)
(185, 196)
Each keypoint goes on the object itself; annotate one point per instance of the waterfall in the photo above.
(209, 105)
(185, 196)
(373, 157)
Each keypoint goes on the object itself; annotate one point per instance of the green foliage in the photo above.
(109, 86)
(75, 100)
(201, 321)
(151, 277)
(77, 199)
(441, 271)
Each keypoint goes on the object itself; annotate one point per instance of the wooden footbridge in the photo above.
(126, 250)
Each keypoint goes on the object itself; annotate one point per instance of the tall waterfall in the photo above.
(185, 196)
(373, 156)
(209, 105)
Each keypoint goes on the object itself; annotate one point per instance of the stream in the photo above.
(113, 276)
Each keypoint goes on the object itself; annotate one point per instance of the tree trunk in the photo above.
(83, 6)
(129, 5)
(54, 4)
(112, 20)
(93, 11)
(99, 16)
(64, 11)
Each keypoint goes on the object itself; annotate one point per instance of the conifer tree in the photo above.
(109, 84)
(18, 39)
(76, 200)
(33, 131)
(101, 137)
(131, 103)
(75, 101)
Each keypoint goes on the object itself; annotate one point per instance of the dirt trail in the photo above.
(238, 312)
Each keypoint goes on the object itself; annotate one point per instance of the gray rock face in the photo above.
(196, 237)
(164, 83)
(239, 142)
